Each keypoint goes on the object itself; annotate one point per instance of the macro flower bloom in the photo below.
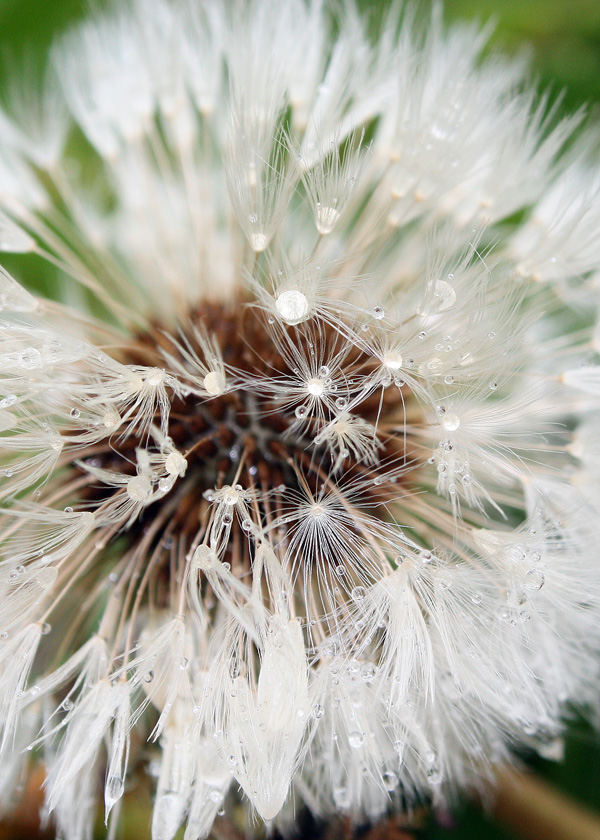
(300, 460)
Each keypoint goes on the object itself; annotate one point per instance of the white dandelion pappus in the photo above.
(303, 487)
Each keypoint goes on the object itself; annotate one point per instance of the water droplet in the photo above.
(358, 593)
(493, 386)
(293, 306)
(214, 383)
(301, 412)
(378, 313)
(315, 387)
(451, 422)
(368, 672)
(326, 218)
(139, 488)
(67, 704)
(148, 676)
(341, 402)
(341, 796)
(30, 358)
(215, 796)
(393, 360)
(115, 786)
(534, 579)
(318, 711)
(356, 739)
(434, 775)
(390, 780)
(75, 413)
(45, 628)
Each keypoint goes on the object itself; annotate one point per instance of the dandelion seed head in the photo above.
(303, 489)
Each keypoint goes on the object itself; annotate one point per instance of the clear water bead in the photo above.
(175, 463)
(442, 297)
(341, 796)
(534, 579)
(356, 739)
(293, 306)
(259, 242)
(378, 313)
(326, 218)
(393, 360)
(315, 387)
(368, 672)
(434, 775)
(139, 488)
(30, 358)
(390, 781)
(115, 786)
(451, 422)
(214, 383)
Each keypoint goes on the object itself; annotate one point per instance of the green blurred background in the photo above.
(563, 37)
